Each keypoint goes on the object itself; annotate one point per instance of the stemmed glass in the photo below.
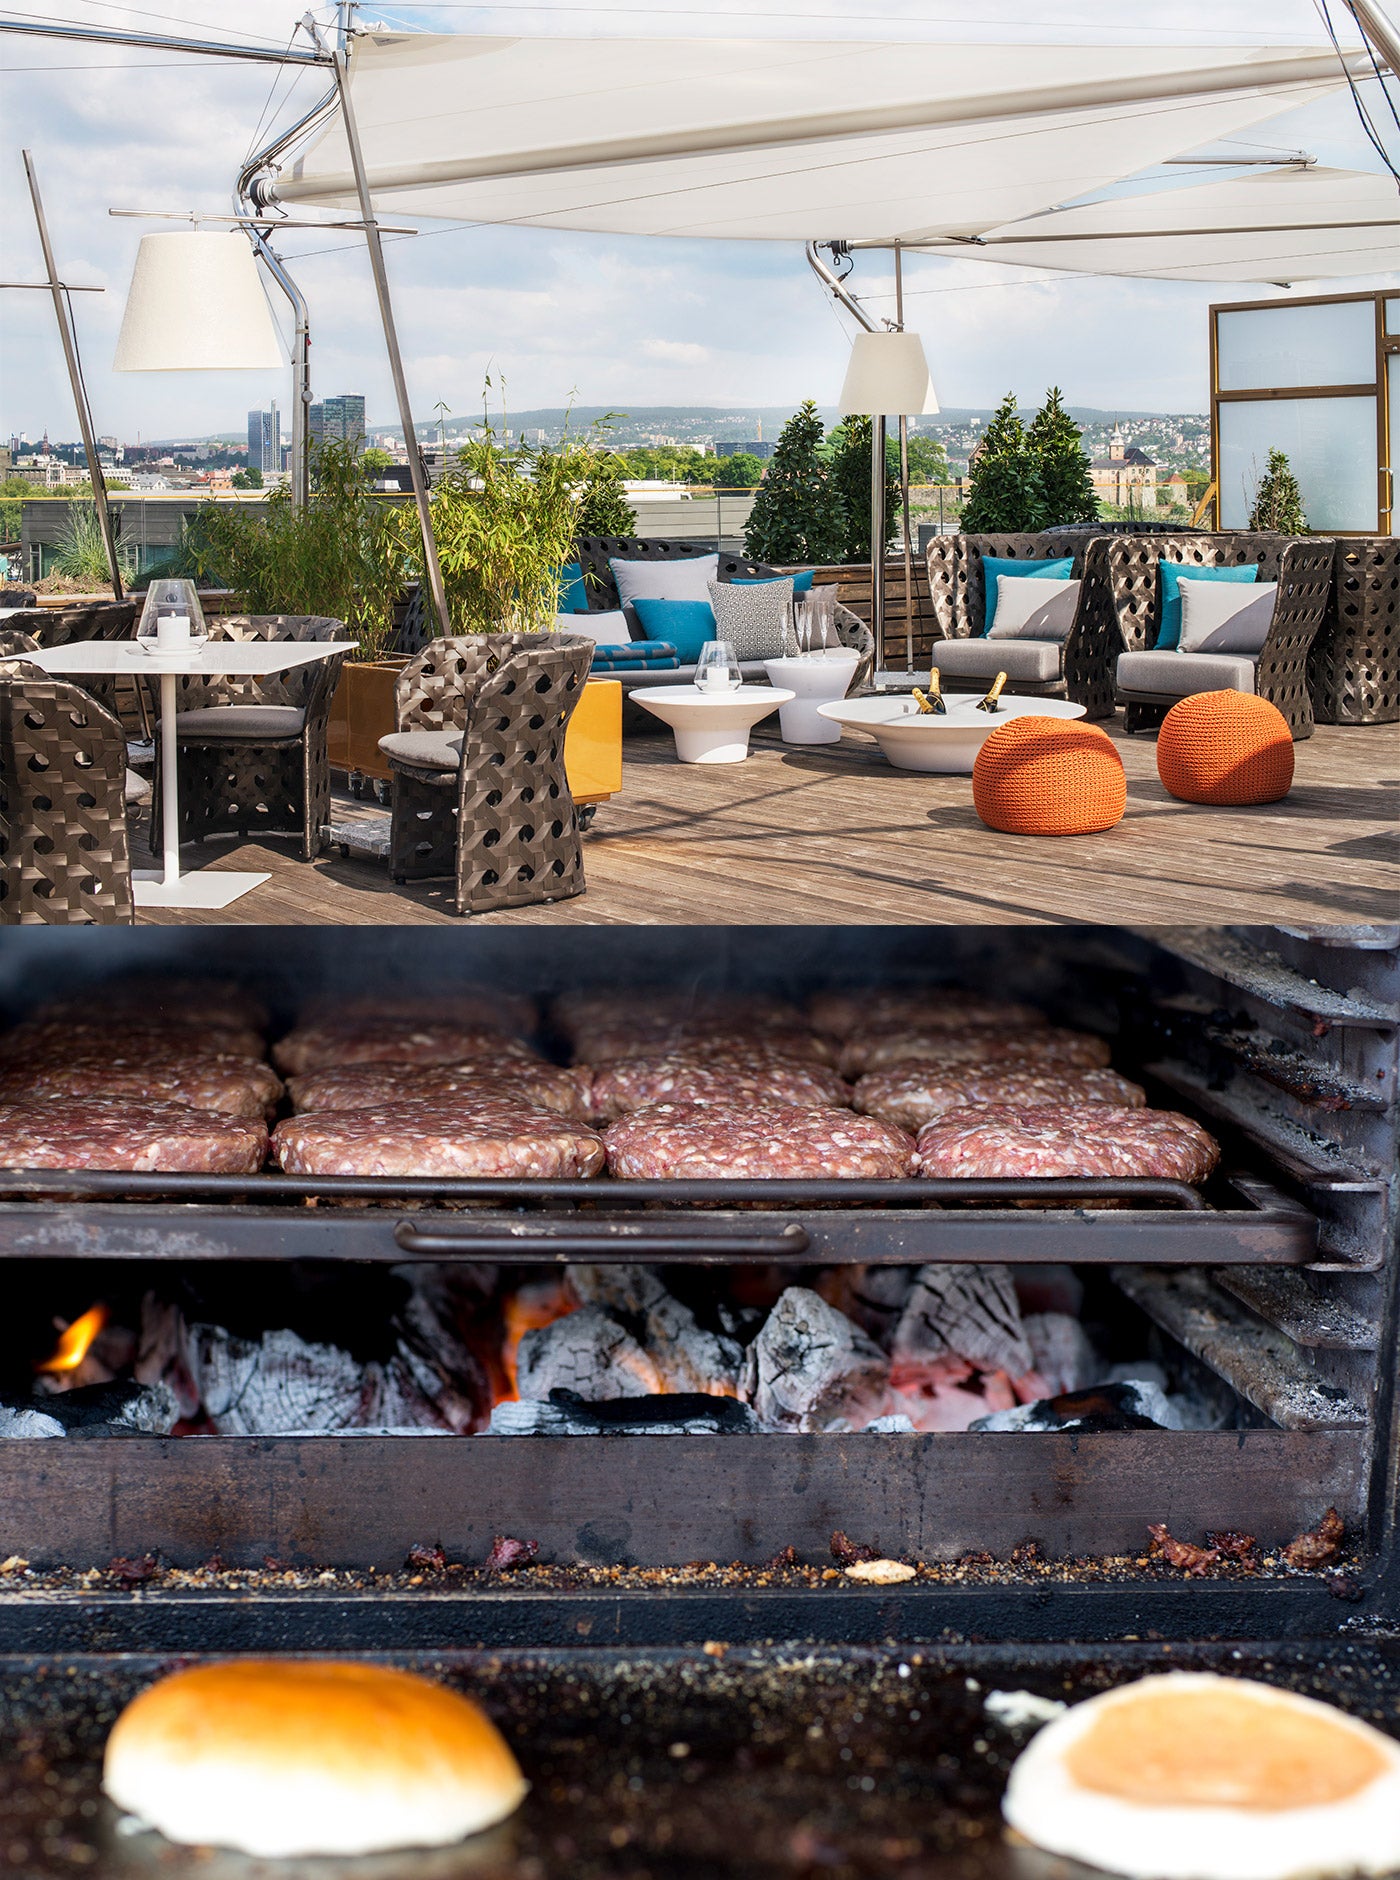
(717, 670)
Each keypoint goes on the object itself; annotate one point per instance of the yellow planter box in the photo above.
(593, 743)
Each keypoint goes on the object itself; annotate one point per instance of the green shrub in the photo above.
(797, 515)
(1004, 492)
(1278, 502)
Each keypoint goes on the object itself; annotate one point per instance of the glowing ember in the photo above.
(529, 1309)
(74, 1343)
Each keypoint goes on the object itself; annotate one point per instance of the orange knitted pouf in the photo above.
(1049, 777)
(1225, 748)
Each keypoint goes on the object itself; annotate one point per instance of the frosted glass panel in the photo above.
(1393, 367)
(1331, 445)
(1392, 316)
(1267, 347)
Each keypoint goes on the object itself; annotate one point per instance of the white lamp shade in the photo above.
(888, 376)
(196, 304)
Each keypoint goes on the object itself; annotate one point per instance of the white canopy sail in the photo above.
(777, 140)
(1279, 226)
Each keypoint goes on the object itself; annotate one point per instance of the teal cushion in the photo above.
(1057, 568)
(801, 583)
(686, 624)
(1169, 597)
(573, 595)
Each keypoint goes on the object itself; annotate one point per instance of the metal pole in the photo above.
(877, 535)
(904, 478)
(431, 566)
(301, 367)
(165, 42)
(75, 379)
(1381, 32)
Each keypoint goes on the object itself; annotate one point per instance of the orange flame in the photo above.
(74, 1343)
(528, 1309)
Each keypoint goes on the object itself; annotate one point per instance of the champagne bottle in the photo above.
(935, 690)
(989, 703)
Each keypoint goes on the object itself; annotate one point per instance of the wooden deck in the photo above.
(834, 836)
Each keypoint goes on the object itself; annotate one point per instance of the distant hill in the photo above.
(737, 421)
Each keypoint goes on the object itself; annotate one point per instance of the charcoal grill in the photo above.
(1279, 1280)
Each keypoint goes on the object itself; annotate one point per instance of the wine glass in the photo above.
(717, 670)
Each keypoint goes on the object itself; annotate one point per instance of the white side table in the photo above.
(815, 679)
(711, 727)
(249, 659)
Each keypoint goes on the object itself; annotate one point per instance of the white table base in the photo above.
(207, 888)
(816, 679)
(711, 727)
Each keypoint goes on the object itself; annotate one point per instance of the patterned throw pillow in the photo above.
(757, 620)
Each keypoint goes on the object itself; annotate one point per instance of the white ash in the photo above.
(688, 1357)
(547, 1419)
(1138, 1398)
(25, 1425)
(891, 1426)
(155, 1412)
(1062, 1352)
(965, 1312)
(280, 1384)
(1015, 1710)
(589, 1353)
(811, 1368)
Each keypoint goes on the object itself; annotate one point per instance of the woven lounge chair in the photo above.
(480, 791)
(1354, 667)
(1148, 682)
(97, 620)
(64, 852)
(253, 751)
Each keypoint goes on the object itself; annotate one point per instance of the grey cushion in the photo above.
(755, 617)
(604, 629)
(247, 723)
(685, 579)
(137, 788)
(1031, 607)
(1226, 617)
(1036, 660)
(426, 750)
(1177, 675)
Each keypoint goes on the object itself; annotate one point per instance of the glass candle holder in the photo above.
(717, 670)
(172, 615)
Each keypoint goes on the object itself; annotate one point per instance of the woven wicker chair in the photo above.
(98, 620)
(480, 791)
(64, 851)
(253, 751)
(17, 597)
(1129, 596)
(1080, 669)
(1354, 669)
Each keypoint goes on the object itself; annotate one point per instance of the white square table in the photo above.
(211, 659)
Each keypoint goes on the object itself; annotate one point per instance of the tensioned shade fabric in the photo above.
(1277, 225)
(777, 140)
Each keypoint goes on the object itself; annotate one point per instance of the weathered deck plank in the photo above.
(833, 835)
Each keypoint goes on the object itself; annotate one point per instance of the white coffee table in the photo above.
(248, 659)
(815, 678)
(943, 742)
(712, 727)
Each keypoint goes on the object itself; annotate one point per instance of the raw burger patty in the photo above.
(710, 1142)
(124, 1133)
(977, 1044)
(686, 1077)
(411, 1137)
(232, 1086)
(910, 1095)
(733, 1044)
(128, 1040)
(1068, 1140)
(941, 1008)
(389, 1041)
(455, 1087)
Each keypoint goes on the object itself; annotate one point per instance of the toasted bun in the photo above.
(1198, 1777)
(282, 1759)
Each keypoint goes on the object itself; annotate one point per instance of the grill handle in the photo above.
(700, 1243)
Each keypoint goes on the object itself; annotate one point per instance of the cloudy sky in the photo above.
(618, 321)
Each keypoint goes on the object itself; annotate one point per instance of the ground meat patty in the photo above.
(688, 1077)
(978, 1044)
(410, 1137)
(910, 1095)
(457, 1087)
(732, 1044)
(231, 1086)
(777, 1141)
(71, 1041)
(1067, 1140)
(183, 1003)
(121, 1133)
(940, 1008)
(390, 1041)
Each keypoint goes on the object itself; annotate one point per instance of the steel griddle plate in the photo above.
(782, 1761)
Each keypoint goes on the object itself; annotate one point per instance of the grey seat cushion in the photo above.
(1177, 675)
(246, 723)
(1036, 660)
(137, 789)
(425, 750)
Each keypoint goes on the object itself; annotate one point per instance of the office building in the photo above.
(265, 440)
(339, 419)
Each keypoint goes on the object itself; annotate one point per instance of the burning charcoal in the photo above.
(506, 1553)
(687, 1356)
(967, 1312)
(425, 1560)
(1061, 1352)
(21, 1425)
(112, 1409)
(670, 1414)
(161, 1352)
(891, 1426)
(1235, 1546)
(846, 1552)
(1320, 1547)
(1192, 1560)
(134, 1572)
(874, 1296)
(1106, 1407)
(810, 1368)
(589, 1353)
